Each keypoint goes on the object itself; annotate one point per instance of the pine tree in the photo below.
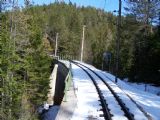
(145, 13)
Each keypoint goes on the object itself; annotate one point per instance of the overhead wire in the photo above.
(104, 4)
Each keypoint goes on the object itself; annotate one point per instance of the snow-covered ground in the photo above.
(149, 88)
(88, 104)
(150, 102)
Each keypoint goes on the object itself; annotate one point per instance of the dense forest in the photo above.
(27, 38)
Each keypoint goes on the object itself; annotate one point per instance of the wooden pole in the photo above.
(82, 46)
(118, 41)
(56, 47)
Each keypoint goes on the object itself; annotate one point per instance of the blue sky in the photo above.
(108, 5)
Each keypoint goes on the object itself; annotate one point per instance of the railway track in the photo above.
(113, 106)
(145, 113)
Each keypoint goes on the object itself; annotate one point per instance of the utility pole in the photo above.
(82, 43)
(118, 41)
(56, 45)
(0, 6)
(147, 32)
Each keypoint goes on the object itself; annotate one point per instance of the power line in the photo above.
(104, 5)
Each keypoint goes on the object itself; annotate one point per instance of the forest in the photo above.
(27, 39)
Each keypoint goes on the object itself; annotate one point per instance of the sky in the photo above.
(107, 5)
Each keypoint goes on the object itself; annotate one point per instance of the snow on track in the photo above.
(138, 114)
(149, 102)
(88, 105)
(113, 105)
(87, 100)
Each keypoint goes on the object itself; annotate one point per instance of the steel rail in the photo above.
(129, 115)
(105, 108)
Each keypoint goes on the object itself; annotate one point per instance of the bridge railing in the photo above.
(65, 57)
(68, 81)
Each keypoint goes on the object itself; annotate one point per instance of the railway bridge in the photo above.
(81, 91)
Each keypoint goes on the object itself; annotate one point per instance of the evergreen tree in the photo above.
(145, 13)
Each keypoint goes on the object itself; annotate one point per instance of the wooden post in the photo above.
(118, 41)
(82, 46)
(56, 47)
